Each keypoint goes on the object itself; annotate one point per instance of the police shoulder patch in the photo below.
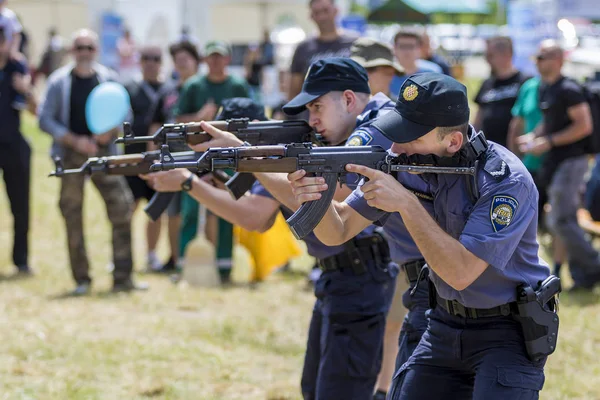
(502, 211)
(359, 137)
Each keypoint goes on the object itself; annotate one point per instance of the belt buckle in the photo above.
(458, 309)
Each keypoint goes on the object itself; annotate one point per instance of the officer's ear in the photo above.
(349, 99)
(452, 139)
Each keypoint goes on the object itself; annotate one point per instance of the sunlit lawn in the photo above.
(176, 342)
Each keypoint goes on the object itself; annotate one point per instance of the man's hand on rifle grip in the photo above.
(306, 188)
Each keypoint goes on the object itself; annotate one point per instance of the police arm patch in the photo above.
(360, 137)
(502, 211)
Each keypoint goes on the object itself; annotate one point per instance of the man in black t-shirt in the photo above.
(144, 95)
(567, 121)
(15, 153)
(498, 93)
(329, 43)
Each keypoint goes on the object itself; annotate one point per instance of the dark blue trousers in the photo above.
(345, 339)
(15, 164)
(459, 358)
(415, 321)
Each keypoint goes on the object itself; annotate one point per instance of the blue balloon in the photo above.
(107, 107)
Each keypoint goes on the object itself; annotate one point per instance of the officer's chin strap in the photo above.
(476, 149)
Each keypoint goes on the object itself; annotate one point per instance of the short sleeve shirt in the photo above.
(495, 98)
(555, 100)
(377, 104)
(499, 228)
(314, 49)
(199, 90)
(527, 107)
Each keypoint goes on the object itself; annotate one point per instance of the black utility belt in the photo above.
(412, 269)
(536, 310)
(357, 253)
(453, 307)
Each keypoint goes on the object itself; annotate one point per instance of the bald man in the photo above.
(567, 123)
(499, 92)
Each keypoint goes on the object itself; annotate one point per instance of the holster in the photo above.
(537, 312)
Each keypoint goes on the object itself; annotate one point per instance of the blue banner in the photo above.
(111, 29)
(355, 23)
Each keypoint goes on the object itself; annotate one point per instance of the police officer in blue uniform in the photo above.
(354, 292)
(406, 254)
(493, 320)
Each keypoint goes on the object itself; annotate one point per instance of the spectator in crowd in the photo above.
(128, 57)
(199, 100)
(498, 93)
(253, 65)
(330, 42)
(12, 30)
(378, 59)
(429, 55)
(186, 59)
(567, 122)
(144, 94)
(592, 192)
(15, 153)
(54, 54)
(267, 49)
(62, 115)
(527, 116)
(407, 49)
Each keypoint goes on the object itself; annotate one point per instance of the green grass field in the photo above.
(176, 342)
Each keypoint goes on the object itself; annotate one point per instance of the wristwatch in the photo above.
(186, 185)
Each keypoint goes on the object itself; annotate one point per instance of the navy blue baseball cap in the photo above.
(329, 75)
(425, 101)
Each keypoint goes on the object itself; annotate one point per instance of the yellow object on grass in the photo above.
(268, 250)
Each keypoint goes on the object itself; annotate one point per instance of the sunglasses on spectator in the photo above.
(542, 57)
(406, 46)
(85, 47)
(151, 58)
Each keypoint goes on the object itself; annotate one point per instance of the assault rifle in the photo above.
(134, 165)
(256, 133)
(328, 162)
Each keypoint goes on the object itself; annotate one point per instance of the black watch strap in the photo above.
(186, 185)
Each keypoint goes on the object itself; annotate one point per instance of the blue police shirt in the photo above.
(500, 227)
(364, 134)
(402, 247)
(10, 117)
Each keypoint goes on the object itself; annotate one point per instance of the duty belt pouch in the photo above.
(381, 249)
(357, 261)
(537, 314)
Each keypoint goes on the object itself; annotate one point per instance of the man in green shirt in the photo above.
(526, 117)
(200, 99)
